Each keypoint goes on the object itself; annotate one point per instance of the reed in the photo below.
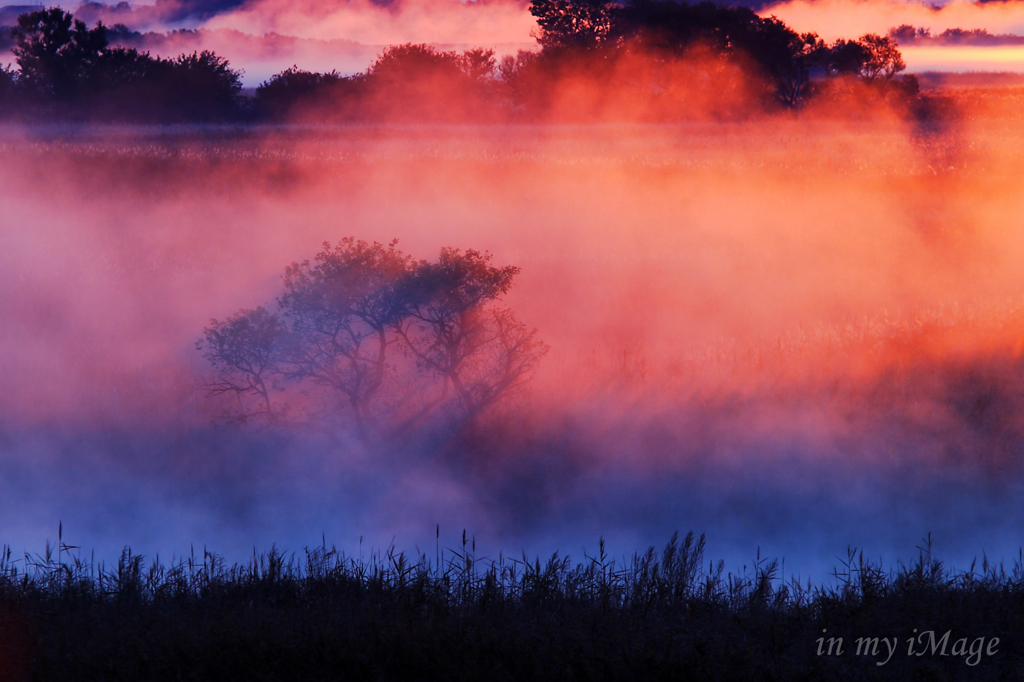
(322, 615)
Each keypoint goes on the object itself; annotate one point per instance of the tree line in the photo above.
(657, 58)
(920, 35)
(663, 30)
(662, 54)
(66, 69)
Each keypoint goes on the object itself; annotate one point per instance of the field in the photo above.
(796, 336)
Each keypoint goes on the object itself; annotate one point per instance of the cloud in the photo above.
(159, 14)
(485, 23)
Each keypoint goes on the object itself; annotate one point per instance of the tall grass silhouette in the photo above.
(321, 614)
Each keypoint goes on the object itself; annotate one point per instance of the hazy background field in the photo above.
(789, 335)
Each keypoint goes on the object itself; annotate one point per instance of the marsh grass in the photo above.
(322, 615)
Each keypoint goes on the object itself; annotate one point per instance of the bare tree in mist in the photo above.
(243, 351)
(340, 309)
(481, 352)
(364, 334)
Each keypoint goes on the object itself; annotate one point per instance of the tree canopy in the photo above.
(55, 52)
(365, 335)
(664, 28)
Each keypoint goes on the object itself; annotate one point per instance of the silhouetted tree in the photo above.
(244, 351)
(208, 87)
(119, 34)
(883, 58)
(905, 33)
(361, 317)
(675, 26)
(846, 58)
(620, 53)
(8, 87)
(666, 30)
(478, 64)
(872, 58)
(573, 23)
(421, 82)
(783, 55)
(55, 51)
(340, 309)
(308, 94)
(479, 351)
(406, 64)
(276, 96)
(70, 69)
(513, 72)
(120, 67)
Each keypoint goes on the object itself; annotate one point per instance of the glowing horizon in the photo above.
(964, 58)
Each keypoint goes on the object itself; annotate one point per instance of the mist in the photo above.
(792, 336)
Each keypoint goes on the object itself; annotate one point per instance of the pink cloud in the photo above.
(484, 23)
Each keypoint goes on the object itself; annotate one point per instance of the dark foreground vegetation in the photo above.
(656, 616)
(637, 60)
